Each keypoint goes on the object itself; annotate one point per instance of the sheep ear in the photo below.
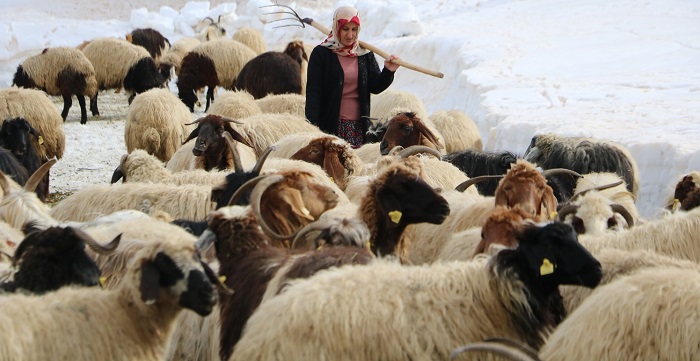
(150, 282)
(237, 136)
(549, 202)
(391, 208)
(333, 166)
(429, 135)
(295, 201)
(194, 134)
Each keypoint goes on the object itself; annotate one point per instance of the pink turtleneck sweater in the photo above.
(350, 103)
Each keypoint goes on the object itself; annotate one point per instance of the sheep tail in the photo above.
(151, 140)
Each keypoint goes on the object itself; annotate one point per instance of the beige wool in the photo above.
(177, 52)
(265, 130)
(283, 103)
(157, 122)
(45, 67)
(36, 107)
(229, 57)
(112, 58)
(235, 104)
(252, 38)
(458, 130)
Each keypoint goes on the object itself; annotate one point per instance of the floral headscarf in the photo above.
(343, 15)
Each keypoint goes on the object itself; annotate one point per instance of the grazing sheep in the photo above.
(211, 64)
(430, 310)
(15, 136)
(61, 71)
(458, 130)
(172, 59)
(252, 38)
(271, 72)
(151, 40)
(162, 279)
(53, 258)
(583, 155)
(156, 122)
(294, 104)
(36, 107)
(120, 64)
(406, 129)
(475, 163)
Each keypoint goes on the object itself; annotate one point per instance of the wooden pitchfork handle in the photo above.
(377, 51)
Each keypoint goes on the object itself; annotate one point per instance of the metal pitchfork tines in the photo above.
(302, 21)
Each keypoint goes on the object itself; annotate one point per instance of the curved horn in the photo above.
(302, 241)
(506, 351)
(196, 121)
(217, 281)
(230, 120)
(237, 167)
(4, 183)
(238, 194)
(38, 175)
(205, 240)
(210, 19)
(94, 245)
(256, 198)
(565, 211)
(469, 182)
(617, 208)
(553, 171)
(261, 160)
(415, 149)
(117, 175)
(599, 188)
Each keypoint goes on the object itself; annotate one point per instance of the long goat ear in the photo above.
(428, 134)
(549, 202)
(237, 136)
(296, 202)
(150, 282)
(333, 166)
(194, 134)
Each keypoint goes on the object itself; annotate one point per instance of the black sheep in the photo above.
(14, 136)
(151, 39)
(273, 72)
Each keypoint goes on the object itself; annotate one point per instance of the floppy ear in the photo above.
(549, 202)
(333, 166)
(427, 134)
(150, 282)
(194, 134)
(236, 135)
(293, 197)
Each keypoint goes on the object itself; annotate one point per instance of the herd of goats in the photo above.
(285, 243)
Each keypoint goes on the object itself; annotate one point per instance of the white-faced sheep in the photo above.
(156, 122)
(411, 312)
(273, 72)
(583, 155)
(120, 64)
(252, 38)
(133, 321)
(151, 39)
(283, 103)
(212, 31)
(211, 64)
(36, 107)
(458, 130)
(61, 71)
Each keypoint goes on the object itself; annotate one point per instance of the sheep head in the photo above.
(295, 49)
(689, 184)
(329, 154)
(502, 226)
(14, 136)
(210, 143)
(589, 212)
(406, 129)
(525, 186)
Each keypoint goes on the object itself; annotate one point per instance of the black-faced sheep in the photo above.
(151, 40)
(211, 64)
(133, 321)
(156, 122)
(120, 64)
(11, 167)
(61, 71)
(210, 149)
(15, 136)
(271, 72)
(406, 129)
(583, 155)
(431, 309)
(475, 163)
(36, 107)
(50, 259)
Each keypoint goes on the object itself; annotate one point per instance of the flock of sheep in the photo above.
(284, 242)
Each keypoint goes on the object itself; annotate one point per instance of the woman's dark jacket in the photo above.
(324, 87)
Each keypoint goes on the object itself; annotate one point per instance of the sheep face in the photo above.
(14, 136)
(684, 187)
(296, 51)
(407, 199)
(405, 130)
(325, 153)
(523, 185)
(211, 144)
(185, 278)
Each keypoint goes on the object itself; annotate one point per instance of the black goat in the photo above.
(10, 166)
(14, 136)
(53, 258)
(475, 163)
(273, 72)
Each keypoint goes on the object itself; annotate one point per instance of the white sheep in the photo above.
(132, 322)
(392, 101)
(265, 130)
(235, 104)
(157, 122)
(252, 38)
(458, 130)
(283, 103)
(36, 107)
(386, 311)
(61, 71)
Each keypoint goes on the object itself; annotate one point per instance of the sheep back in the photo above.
(36, 107)
(60, 71)
(271, 72)
(458, 130)
(283, 103)
(227, 56)
(112, 59)
(177, 52)
(252, 38)
(265, 130)
(156, 122)
(235, 104)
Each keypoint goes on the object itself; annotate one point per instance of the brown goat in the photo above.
(502, 226)
(331, 155)
(211, 148)
(526, 186)
(406, 129)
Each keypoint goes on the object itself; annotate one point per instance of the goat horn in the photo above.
(117, 175)
(238, 194)
(94, 245)
(256, 199)
(38, 175)
(302, 241)
(231, 120)
(617, 208)
(553, 171)
(237, 167)
(4, 183)
(210, 19)
(415, 149)
(469, 182)
(261, 160)
(599, 188)
(205, 240)
(566, 210)
(214, 279)
(196, 121)
(506, 351)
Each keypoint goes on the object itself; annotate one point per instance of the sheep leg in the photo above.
(67, 103)
(210, 97)
(93, 106)
(83, 111)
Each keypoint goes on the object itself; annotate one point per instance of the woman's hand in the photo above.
(389, 65)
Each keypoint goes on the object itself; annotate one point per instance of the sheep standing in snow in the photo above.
(156, 122)
(61, 71)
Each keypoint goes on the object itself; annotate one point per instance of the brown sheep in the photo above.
(406, 129)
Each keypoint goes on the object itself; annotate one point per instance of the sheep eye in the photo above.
(407, 129)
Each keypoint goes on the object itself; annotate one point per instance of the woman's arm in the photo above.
(379, 80)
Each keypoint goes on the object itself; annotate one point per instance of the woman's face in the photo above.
(347, 34)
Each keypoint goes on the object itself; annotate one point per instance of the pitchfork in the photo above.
(323, 29)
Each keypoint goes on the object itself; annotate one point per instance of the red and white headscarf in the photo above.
(343, 15)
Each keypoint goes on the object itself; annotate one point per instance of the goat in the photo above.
(211, 150)
(15, 137)
(406, 129)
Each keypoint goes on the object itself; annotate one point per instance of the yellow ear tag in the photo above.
(332, 180)
(222, 279)
(305, 211)
(676, 204)
(395, 216)
(103, 281)
(368, 246)
(40, 140)
(546, 267)
(553, 215)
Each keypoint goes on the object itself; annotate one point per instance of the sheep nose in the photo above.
(384, 147)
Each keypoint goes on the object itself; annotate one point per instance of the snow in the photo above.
(622, 70)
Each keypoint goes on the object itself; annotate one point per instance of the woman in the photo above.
(341, 76)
